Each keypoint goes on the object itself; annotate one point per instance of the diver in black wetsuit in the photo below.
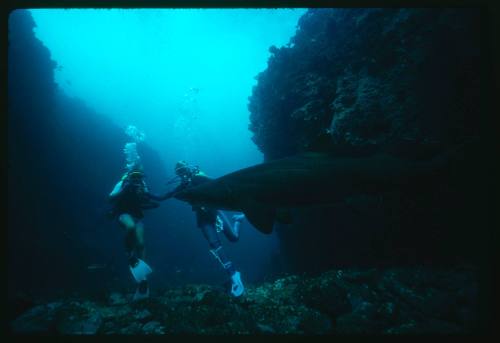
(129, 198)
(210, 222)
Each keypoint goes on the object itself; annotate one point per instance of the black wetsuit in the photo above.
(204, 215)
(133, 199)
(206, 218)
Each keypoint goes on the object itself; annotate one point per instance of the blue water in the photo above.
(138, 66)
(183, 77)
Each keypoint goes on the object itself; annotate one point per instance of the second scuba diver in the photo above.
(211, 221)
(129, 197)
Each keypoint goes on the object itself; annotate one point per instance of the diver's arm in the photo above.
(119, 187)
(160, 197)
(116, 190)
(167, 195)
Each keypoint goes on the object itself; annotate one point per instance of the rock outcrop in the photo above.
(360, 81)
(350, 301)
(370, 77)
(63, 160)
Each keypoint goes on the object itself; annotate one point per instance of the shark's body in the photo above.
(263, 190)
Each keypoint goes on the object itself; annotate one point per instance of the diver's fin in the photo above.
(261, 217)
(140, 271)
(283, 216)
(237, 287)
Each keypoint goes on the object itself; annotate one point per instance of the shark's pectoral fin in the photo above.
(261, 217)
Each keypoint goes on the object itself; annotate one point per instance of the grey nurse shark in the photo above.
(265, 191)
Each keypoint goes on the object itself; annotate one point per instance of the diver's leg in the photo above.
(210, 234)
(139, 236)
(232, 232)
(134, 240)
(128, 223)
(238, 218)
(216, 247)
(143, 288)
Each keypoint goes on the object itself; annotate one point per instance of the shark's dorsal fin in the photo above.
(261, 217)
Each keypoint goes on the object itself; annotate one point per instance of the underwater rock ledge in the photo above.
(348, 301)
(370, 77)
(365, 80)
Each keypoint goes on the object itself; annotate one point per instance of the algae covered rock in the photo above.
(338, 301)
(325, 295)
(87, 324)
(315, 323)
(153, 327)
(364, 76)
(78, 318)
(39, 319)
(116, 298)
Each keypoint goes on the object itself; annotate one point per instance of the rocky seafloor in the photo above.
(340, 301)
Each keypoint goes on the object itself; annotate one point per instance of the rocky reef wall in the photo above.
(63, 160)
(403, 81)
(369, 77)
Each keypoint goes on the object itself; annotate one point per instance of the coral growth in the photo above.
(337, 301)
(403, 81)
(369, 77)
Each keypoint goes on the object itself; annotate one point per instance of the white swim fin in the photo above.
(237, 287)
(140, 271)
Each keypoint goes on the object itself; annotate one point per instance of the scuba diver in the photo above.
(129, 197)
(211, 222)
